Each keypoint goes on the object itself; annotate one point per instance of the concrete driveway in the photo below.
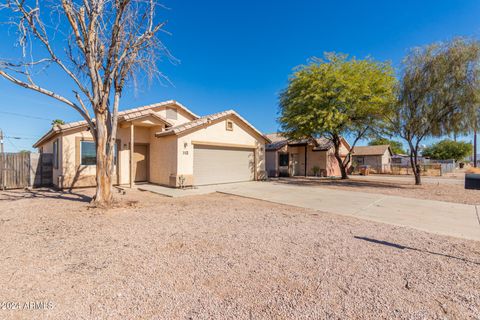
(451, 219)
(446, 218)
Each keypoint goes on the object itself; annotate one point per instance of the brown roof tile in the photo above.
(206, 120)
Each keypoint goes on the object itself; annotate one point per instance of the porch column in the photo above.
(132, 145)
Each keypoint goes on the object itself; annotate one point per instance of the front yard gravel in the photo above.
(223, 257)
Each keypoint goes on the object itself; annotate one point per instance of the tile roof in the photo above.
(323, 144)
(144, 113)
(126, 115)
(370, 150)
(205, 121)
(279, 141)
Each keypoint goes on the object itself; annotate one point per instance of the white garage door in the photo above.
(213, 165)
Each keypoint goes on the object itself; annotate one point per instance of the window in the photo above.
(172, 113)
(229, 125)
(88, 153)
(283, 160)
(360, 160)
(55, 154)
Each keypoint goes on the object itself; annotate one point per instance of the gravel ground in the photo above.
(222, 257)
(432, 191)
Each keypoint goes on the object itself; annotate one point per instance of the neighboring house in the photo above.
(299, 157)
(163, 143)
(401, 160)
(404, 160)
(378, 158)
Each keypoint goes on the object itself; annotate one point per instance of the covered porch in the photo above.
(137, 135)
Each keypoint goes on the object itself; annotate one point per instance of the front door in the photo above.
(140, 162)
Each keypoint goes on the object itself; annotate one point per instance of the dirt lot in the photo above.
(224, 257)
(432, 191)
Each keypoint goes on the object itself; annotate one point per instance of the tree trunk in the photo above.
(343, 169)
(416, 168)
(104, 169)
(418, 178)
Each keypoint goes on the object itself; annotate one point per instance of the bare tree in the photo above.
(102, 45)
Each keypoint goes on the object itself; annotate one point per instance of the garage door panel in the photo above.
(213, 165)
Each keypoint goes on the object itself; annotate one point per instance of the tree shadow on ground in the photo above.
(43, 193)
(342, 183)
(402, 247)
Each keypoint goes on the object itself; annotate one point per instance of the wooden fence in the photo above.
(22, 170)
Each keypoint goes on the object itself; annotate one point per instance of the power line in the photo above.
(15, 147)
(25, 116)
(21, 138)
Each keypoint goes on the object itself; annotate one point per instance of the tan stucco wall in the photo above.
(316, 159)
(271, 162)
(71, 173)
(343, 150)
(163, 160)
(333, 169)
(182, 116)
(48, 148)
(216, 133)
(144, 135)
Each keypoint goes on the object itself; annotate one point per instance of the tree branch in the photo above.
(46, 92)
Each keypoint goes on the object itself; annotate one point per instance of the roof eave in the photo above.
(198, 126)
(47, 136)
(165, 133)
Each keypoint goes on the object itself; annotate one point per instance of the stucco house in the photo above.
(163, 143)
(286, 158)
(378, 158)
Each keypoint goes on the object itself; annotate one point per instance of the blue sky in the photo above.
(239, 54)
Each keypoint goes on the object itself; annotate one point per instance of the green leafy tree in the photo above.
(335, 97)
(448, 149)
(438, 94)
(396, 146)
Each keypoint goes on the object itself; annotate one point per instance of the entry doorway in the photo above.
(140, 162)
